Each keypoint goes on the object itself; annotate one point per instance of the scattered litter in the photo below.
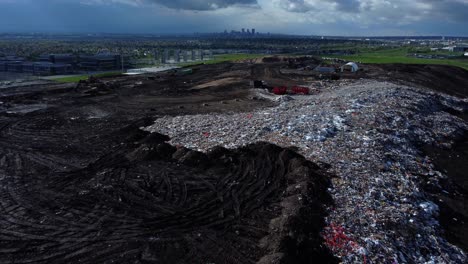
(368, 132)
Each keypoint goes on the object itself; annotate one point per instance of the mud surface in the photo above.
(453, 200)
(80, 182)
(446, 79)
(149, 202)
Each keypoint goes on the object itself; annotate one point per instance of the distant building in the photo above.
(243, 31)
(36, 68)
(460, 48)
(102, 62)
(14, 58)
(15, 66)
(253, 31)
(48, 68)
(456, 48)
(28, 67)
(60, 58)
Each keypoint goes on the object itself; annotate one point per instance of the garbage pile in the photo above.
(368, 132)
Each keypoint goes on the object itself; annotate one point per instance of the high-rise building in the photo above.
(243, 31)
(253, 31)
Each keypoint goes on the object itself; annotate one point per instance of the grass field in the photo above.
(399, 55)
(73, 79)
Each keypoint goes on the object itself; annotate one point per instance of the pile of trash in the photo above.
(368, 132)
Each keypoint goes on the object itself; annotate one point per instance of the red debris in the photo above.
(280, 90)
(299, 90)
(338, 241)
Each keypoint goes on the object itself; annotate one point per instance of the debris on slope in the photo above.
(369, 133)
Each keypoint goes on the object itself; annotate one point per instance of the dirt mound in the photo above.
(447, 79)
(150, 202)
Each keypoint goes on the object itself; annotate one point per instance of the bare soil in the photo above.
(80, 182)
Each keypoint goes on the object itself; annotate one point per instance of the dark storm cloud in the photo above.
(454, 10)
(304, 6)
(374, 17)
(202, 5)
(347, 5)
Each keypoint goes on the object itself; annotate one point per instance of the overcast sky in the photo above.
(310, 17)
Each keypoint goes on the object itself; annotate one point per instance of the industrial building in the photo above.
(35, 68)
(60, 58)
(460, 48)
(183, 55)
(47, 68)
(28, 67)
(456, 48)
(14, 66)
(102, 62)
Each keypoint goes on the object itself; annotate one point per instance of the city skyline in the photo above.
(296, 17)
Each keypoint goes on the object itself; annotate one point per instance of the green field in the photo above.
(399, 55)
(74, 79)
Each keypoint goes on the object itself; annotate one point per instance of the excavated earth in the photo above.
(80, 182)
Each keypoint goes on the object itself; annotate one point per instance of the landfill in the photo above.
(367, 133)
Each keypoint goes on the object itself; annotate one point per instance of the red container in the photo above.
(280, 90)
(299, 90)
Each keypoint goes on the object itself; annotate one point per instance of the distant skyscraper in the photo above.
(248, 31)
(253, 31)
(243, 31)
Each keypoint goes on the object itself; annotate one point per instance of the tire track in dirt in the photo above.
(140, 204)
